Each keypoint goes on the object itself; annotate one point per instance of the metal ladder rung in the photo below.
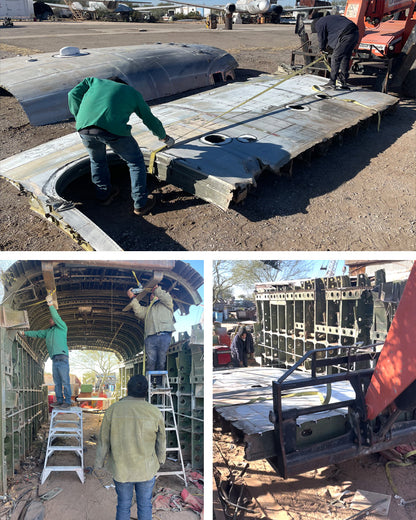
(65, 430)
(65, 448)
(65, 468)
(75, 435)
(166, 406)
(56, 430)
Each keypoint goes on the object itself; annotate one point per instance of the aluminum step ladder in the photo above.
(164, 402)
(66, 424)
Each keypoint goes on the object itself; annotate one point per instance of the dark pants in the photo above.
(157, 346)
(242, 356)
(340, 60)
(125, 147)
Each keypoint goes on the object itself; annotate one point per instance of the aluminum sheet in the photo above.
(216, 172)
(41, 82)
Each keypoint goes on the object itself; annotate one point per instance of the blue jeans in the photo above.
(60, 373)
(157, 347)
(143, 499)
(125, 147)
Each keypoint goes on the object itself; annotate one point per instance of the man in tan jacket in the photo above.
(132, 437)
(158, 326)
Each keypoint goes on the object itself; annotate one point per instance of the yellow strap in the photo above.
(396, 463)
(292, 75)
(356, 103)
(152, 158)
(38, 303)
(150, 168)
(369, 108)
(134, 274)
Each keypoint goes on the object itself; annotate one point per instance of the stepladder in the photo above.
(65, 443)
(160, 395)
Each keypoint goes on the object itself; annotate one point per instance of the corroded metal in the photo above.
(41, 82)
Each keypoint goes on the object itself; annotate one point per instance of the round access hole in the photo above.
(322, 96)
(297, 107)
(247, 138)
(216, 139)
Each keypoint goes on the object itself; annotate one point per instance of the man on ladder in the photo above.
(158, 327)
(56, 343)
(132, 436)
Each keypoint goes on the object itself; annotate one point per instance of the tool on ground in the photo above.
(161, 397)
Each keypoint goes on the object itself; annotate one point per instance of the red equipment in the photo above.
(396, 367)
(377, 37)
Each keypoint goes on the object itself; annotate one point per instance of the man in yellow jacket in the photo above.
(158, 326)
(132, 437)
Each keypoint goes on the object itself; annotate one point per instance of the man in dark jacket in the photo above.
(241, 347)
(102, 108)
(56, 343)
(339, 34)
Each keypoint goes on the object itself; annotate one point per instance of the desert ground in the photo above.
(322, 494)
(358, 196)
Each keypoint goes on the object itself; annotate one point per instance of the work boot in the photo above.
(144, 210)
(65, 405)
(55, 404)
(114, 193)
(328, 86)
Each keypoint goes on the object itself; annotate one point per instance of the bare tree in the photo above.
(222, 282)
(246, 273)
(97, 362)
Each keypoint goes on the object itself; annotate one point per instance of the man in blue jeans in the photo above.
(158, 327)
(102, 108)
(133, 437)
(56, 343)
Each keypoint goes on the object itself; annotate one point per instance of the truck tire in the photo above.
(409, 83)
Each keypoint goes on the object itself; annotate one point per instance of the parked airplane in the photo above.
(240, 6)
(254, 7)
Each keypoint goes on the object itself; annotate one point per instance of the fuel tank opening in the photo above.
(297, 107)
(216, 139)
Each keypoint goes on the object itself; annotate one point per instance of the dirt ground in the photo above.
(357, 197)
(89, 501)
(309, 496)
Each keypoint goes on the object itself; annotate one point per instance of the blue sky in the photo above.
(184, 323)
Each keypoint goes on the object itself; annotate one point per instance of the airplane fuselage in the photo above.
(249, 6)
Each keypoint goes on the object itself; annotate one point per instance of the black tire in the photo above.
(409, 84)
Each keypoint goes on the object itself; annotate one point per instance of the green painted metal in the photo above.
(296, 317)
(23, 401)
